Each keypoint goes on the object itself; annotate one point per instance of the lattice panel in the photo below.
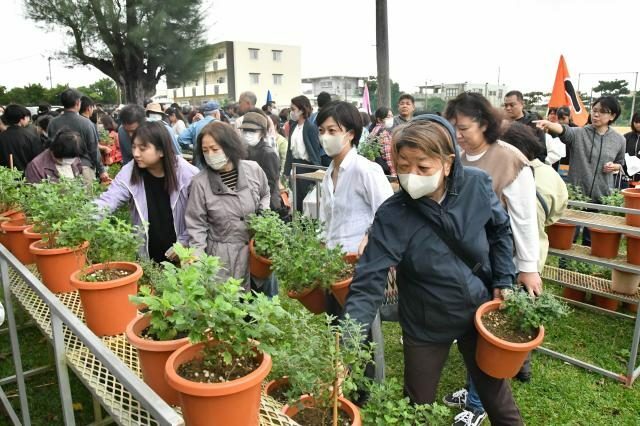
(122, 406)
(586, 282)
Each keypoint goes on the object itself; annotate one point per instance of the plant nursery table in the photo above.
(107, 366)
(595, 285)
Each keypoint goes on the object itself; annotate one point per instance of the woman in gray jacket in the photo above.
(222, 195)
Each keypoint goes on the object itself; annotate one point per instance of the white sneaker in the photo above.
(469, 418)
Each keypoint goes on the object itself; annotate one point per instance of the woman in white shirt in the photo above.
(352, 190)
(176, 120)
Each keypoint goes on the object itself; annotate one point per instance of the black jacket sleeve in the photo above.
(272, 170)
(500, 238)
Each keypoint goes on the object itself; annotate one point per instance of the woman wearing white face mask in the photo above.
(443, 210)
(222, 195)
(60, 160)
(254, 129)
(382, 131)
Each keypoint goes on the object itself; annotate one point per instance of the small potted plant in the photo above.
(340, 288)
(632, 201)
(105, 285)
(305, 267)
(270, 234)
(606, 243)
(11, 181)
(163, 328)
(508, 330)
(13, 226)
(561, 234)
(326, 369)
(388, 406)
(54, 207)
(219, 374)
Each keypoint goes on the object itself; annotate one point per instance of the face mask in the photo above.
(294, 115)
(418, 186)
(67, 161)
(388, 123)
(332, 144)
(251, 138)
(154, 117)
(216, 161)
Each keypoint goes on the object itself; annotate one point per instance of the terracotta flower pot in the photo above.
(274, 385)
(11, 214)
(633, 249)
(16, 241)
(234, 403)
(625, 282)
(631, 307)
(153, 356)
(632, 201)
(314, 299)
(605, 302)
(340, 289)
(573, 294)
(106, 304)
(496, 357)
(56, 265)
(561, 235)
(30, 235)
(344, 405)
(604, 243)
(259, 266)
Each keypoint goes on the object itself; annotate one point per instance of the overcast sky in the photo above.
(444, 41)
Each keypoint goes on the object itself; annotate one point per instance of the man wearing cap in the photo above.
(189, 136)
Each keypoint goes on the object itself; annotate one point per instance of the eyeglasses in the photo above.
(510, 105)
(600, 111)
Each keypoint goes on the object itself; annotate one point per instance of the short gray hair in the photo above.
(248, 96)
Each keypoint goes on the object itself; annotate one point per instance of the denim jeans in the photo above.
(267, 286)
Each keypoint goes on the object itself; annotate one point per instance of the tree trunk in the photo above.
(137, 89)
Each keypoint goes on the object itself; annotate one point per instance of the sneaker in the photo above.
(458, 399)
(469, 418)
(523, 376)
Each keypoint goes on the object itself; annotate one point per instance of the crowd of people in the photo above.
(475, 182)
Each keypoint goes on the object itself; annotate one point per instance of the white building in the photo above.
(341, 88)
(239, 66)
(493, 92)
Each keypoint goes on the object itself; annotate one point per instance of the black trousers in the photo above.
(423, 366)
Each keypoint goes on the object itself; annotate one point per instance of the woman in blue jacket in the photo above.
(444, 213)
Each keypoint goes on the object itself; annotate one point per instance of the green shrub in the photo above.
(529, 313)
(270, 233)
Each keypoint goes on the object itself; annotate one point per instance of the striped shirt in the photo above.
(230, 178)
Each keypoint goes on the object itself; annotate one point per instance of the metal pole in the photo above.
(633, 101)
(382, 54)
(15, 344)
(50, 79)
(61, 367)
(294, 190)
(633, 357)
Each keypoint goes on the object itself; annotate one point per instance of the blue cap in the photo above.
(210, 106)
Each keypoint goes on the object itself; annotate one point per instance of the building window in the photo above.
(277, 55)
(254, 78)
(221, 80)
(220, 55)
(277, 79)
(492, 92)
(253, 54)
(451, 93)
(326, 84)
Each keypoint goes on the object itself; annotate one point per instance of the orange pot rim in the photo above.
(10, 212)
(356, 421)
(259, 258)
(342, 284)
(603, 231)
(11, 227)
(138, 324)
(493, 305)
(29, 232)
(300, 294)
(35, 248)
(631, 192)
(563, 225)
(105, 285)
(634, 237)
(188, 387)
(275, 384)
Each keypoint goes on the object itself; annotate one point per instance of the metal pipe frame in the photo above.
(602, 207)
(611, 374)
(61, 315)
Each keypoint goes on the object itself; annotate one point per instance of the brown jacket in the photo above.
(44, 167)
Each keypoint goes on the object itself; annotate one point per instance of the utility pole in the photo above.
(635, 89)
(382, 54)
(50, 80)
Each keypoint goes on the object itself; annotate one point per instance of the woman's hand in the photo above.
(611, 167)
(548, 126)
(532, 282)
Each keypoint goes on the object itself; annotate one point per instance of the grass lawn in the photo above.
(559, 394)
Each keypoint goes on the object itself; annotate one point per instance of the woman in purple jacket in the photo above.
(156, 186)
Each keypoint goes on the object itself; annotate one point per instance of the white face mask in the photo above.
(216, 161)
(332, 144)
(154, 117)
(67, 161)
(418, 186)
(293, 115)
(388, 123)
(251, 138)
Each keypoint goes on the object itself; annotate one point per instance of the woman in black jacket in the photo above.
(304, 145)
(633, 143)
(444, 213)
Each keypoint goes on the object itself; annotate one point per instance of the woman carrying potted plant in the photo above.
(156, 186)
(222, 197)
(451, 242)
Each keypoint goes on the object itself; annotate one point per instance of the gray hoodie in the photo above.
(589, 152)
